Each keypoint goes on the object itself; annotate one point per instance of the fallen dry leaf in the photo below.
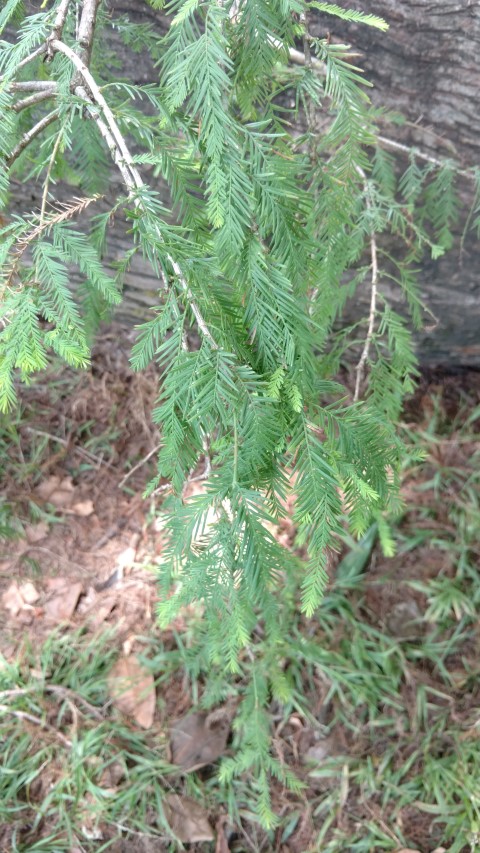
(57, 491)
(62, 605)
(405, 620)
(187, 819)
(17, 598)
(132, 689)
(36, 532)
(112, 775)
(199, 739)
(83, 508)
(29, 593)
(12, 599)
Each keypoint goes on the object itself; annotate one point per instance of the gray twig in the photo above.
(33, 86)
(31, 718)
(360, 369)
(31, 134)
(60, 19)
(36, 98)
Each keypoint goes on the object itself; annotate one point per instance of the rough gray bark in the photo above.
(426, 67)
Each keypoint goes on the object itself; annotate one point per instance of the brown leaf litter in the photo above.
(132, 689)
(187, 819)
(200, 738)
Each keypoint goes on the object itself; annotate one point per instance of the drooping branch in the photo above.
(86, 88)
(133, 181)
(299, 58)
(96, 97)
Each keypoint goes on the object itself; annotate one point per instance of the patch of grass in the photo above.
(356, 732)
(73, 774)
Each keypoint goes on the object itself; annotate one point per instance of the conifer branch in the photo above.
(256, 227)
(124, 161)
(412, 150)
(39, 51)
(302, 58)
(67, 211)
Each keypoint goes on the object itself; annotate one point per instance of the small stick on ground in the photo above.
(23, 715)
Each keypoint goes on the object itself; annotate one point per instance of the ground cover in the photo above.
(359, 734)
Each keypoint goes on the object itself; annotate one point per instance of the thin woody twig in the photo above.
(419, 154)
(51, 164)
(38, 86)
(90, 457)
(60, 19)
(86, 28)
(31, 718)
(31, 134)
(98, 98)
(33, 86)
(138, 465)
(371, 319)
(36, 98)
(111, 144)
(57, 689)
(360, 368)
(31, 56)
(39, 51)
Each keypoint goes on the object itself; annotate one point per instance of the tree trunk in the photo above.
(426, 67)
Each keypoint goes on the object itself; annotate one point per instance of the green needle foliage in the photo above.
(280, 198)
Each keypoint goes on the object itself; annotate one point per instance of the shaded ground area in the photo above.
(381, 720)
